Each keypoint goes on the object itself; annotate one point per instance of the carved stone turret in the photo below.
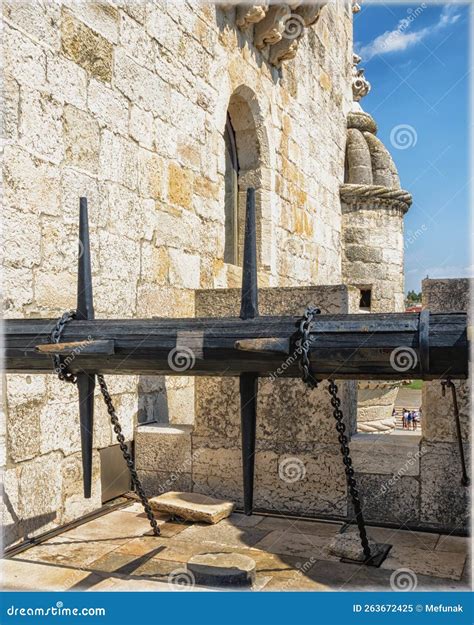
(373, 206)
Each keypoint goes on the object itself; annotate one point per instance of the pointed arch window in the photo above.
(231, 249)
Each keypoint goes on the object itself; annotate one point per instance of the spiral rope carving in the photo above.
(371, 191)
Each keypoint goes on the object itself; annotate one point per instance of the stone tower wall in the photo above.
(126, 103)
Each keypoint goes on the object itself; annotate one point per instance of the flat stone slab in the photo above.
(192, 506)
(222, 569)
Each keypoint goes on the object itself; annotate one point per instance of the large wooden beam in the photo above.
(369, 346)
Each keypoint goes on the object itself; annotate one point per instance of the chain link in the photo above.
(60, 366)
(65, 375)
(303, 343)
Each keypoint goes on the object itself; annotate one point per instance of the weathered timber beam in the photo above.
(343, 346)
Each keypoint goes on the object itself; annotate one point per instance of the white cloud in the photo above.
(400, 39)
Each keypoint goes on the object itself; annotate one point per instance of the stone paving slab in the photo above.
(78, 553)
(403, 538)
(25, 575)
(117, 525)
(223, 534)
(444, 564)
(300, 526)
(242, 520)
(302, 545)
(114, 552)
(459, 544)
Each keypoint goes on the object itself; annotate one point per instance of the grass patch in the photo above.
(415, 385)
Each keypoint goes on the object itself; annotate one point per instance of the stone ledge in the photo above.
(160, 429)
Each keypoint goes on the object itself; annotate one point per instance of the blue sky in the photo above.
(417, 58)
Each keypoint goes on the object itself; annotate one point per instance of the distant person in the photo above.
(409, 420)
(404, 418)
(416, 418)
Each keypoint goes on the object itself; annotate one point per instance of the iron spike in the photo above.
(248, 382)
(85, 381)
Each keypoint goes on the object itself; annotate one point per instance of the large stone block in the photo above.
(136, 41)
(81, 133)
(40, 125)
(66, 80)
(23, 59)
(102, 17)
(386, 455)
(141, 86)
(109, 106)
(40, 486)
(444, 501)
(86, 48)
(24, 430)
(388, 499)
(118, 159)
(163, 448)
(74, 505)
(450, 295)
(438, 423)
(156, 482)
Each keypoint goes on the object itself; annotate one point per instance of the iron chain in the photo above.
(346, 458)
(126, 454)
(65, 375)
(60, 366)
(303, 342)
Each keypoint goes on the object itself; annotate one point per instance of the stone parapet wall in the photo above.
(444, 501)
(405, 480)
(126, 104)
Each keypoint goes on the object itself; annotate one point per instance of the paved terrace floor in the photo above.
(112, 553)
